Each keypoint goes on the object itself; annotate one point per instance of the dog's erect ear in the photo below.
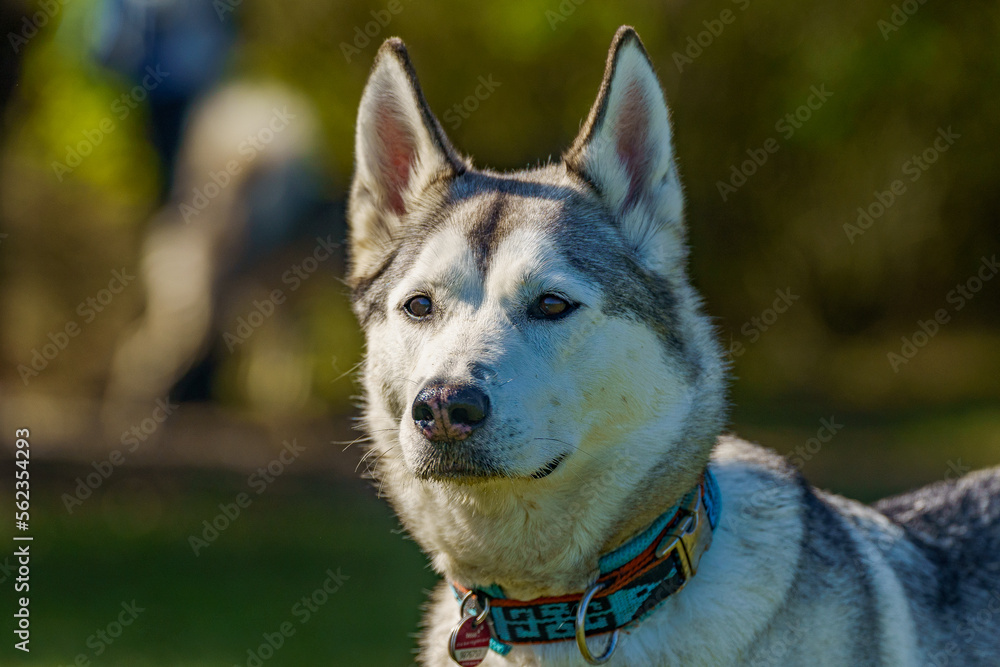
(399, 149)
(624, 150)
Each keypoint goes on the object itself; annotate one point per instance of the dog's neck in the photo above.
(661, 498)
(532, 543)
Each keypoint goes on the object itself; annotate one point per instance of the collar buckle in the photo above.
(690, 538)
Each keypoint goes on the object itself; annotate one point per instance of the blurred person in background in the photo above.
(185, 40)
(239, 180)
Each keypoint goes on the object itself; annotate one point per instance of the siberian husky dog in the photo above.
(546, 402)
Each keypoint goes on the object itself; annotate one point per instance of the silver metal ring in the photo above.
(581, 635)
(483, 614)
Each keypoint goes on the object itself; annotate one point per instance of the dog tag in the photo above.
(469, 642)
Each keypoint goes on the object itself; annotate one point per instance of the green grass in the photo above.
(876, 455)
(131, 543)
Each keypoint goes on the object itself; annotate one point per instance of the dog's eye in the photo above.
(550, 307)
(418, 306)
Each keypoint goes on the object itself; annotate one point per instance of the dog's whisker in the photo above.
(360, 438)
(363, 438)
(366, 437)
(387, 419)
(371, 464)
(350, 370)
(571, 446)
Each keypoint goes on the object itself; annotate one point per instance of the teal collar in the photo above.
(634, 580)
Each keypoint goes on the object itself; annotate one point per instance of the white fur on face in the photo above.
(599, 390)
(636, 425)
(557, 388)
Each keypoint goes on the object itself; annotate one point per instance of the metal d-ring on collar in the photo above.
(482, 615)
(581, 636)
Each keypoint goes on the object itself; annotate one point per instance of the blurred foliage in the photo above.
(64, 94)
(783, 229)
(257, 569)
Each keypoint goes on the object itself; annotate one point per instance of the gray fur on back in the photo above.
(954, 586)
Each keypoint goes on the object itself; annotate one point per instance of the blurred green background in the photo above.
(736, 74)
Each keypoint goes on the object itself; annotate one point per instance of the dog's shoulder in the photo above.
(759, 487)
(749, 463)
(840, 584)
(733, 450)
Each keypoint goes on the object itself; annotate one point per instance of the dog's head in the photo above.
(529, 331)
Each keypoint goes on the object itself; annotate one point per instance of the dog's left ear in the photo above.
(400, 149)
(624, 151)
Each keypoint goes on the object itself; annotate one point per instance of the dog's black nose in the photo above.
(445, 411)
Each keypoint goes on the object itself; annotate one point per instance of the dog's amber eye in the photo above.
(418, 306)
(550, 306)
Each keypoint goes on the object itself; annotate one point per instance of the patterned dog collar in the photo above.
(634, 580)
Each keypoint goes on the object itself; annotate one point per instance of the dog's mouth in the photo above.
(548, 468)
(460, 465)
(471, 475)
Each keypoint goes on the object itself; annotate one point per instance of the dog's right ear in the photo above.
(399, 149)
(624, 150)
